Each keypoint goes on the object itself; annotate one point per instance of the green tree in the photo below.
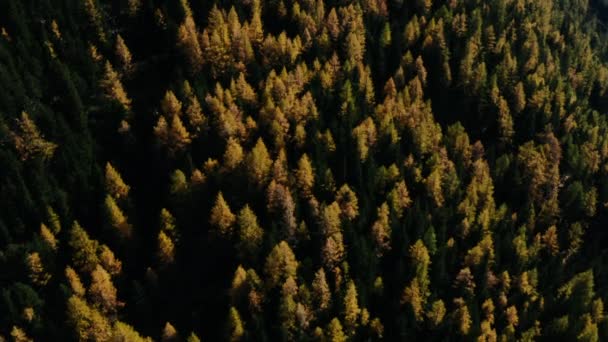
(28, 140)
(250, 232)
(84, 249)
(280, 264)
(179, 183)
(88, 324)
(418, 291)
(436, 313)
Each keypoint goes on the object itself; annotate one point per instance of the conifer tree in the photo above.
(19, 335)
(280, 264)
(37, 274)
(188, 42)
(28, 140)
(84, 249)
(124, 332)
(193, 111)
(233, 154)
(193, 338)
(133, 7)
(331, 223)
(259, 163)
(417, 292)
(333, 24)
(161, 130)
(287, 308)
(95, 18)
(305, 176)
(116, 217)
(123, 54)
(48, 236)
(321, 292)
(399, 198)
(115, 186)
(351, 308)
(436, 313)
(166, 249)
(235, 328)
(88, 323)
(102, 291)
(462, 317)
(179, 183)
(381, 230)
(179, 137)
(168, 224)
(170, 105)
(349, 204)
(332, 251)
(74, 282)
(108, 261)
(222, 217)
(239, 285)
(53, 220)
(335, 332)
(113, 89)
(281, 203)
(365, 135)
(250, 232)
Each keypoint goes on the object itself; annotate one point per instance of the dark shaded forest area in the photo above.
(303, 170)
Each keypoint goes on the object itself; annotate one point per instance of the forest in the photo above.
(303, 170)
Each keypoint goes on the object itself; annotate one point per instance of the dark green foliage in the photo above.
(372, 169)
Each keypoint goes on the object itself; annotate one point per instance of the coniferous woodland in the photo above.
(303, 170)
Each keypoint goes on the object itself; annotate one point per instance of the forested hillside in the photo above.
(303, 170)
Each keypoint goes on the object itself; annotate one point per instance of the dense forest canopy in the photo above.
(317, 170)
